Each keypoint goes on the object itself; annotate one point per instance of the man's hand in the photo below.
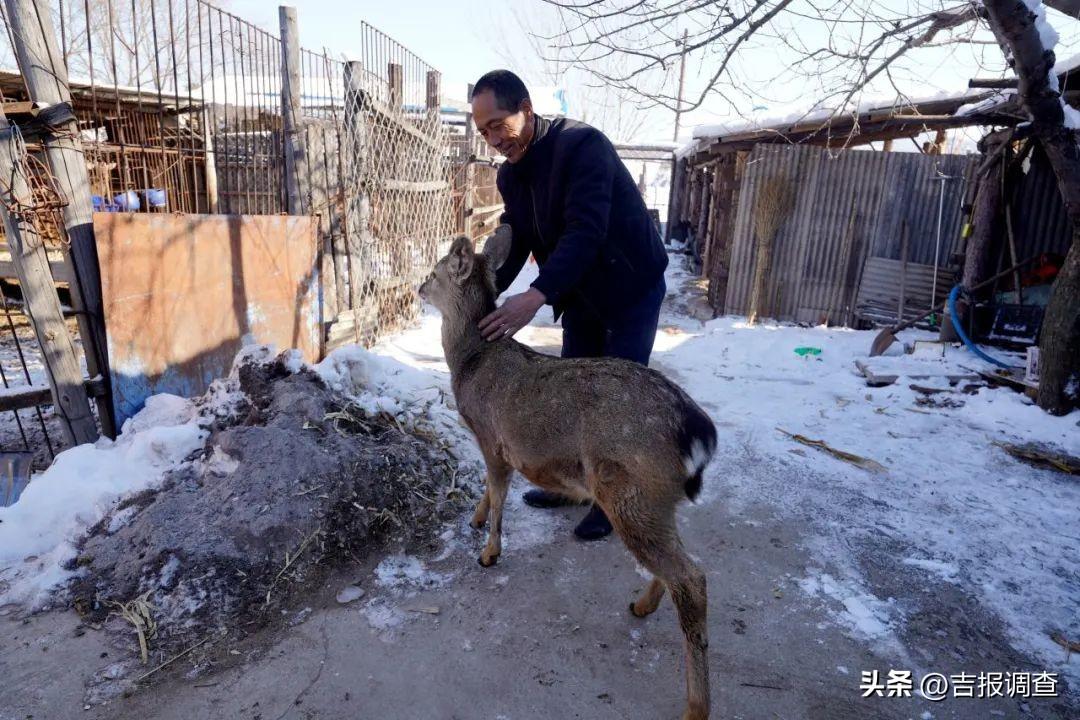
(514, 314)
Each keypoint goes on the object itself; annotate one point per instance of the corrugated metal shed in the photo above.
(848, 206)
(1039, 220)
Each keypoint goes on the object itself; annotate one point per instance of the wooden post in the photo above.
(432, 99)
(433, 105)
(396, 161)
(397, 81)
(43, 70)
(701, 228)
(296, 165)
(357, 207)
(714, 212)
(903, 272)
(470, 169)
(673, 195)
(43, 305)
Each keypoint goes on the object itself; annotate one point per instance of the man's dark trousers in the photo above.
(630, 337)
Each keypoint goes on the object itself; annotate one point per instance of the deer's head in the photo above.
(463, 282)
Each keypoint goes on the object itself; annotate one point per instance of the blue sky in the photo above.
(446, 34)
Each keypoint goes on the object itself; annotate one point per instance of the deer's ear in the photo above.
(461, 259)
(497, 246)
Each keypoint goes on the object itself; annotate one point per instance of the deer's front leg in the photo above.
(498, 482)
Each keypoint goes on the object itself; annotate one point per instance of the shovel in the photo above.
(887, 337)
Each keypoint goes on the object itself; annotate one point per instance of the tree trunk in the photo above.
(1059, 345)
(984, 221)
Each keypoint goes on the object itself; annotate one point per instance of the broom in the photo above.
(774, 200)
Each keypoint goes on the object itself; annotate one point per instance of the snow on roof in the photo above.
(789, 116)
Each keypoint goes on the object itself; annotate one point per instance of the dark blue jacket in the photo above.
(573, 204)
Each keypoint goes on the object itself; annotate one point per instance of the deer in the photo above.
(600, 429)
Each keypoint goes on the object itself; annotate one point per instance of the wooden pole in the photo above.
(45, 75)
(296, 165)
(903, 271)
(42, 303)
(470, 169)
(396, 161)
(433, 106)
(673, 199)
(682, 79)
(396, 83)
(432, 99)
(359, 240)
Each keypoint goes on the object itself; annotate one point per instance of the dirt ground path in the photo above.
(544, 634)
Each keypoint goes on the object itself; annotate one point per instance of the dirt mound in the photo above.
(293, 479)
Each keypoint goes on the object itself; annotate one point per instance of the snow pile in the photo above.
(38, 534)
(412, 387)
(987, 104)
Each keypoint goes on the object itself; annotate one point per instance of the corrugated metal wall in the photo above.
(848, 207)
(1039, 219)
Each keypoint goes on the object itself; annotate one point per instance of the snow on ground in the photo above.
(947, 502)
(967, 511)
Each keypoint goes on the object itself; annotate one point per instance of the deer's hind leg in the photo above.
(646, 523)
(650, 599)
(480, 515)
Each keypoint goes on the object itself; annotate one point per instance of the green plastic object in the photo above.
(804, 351)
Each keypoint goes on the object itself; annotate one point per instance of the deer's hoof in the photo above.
(476, 524)
(634, 611)
(486, 561)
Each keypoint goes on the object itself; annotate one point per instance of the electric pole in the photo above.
(682, 78)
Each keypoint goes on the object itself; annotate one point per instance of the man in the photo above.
(573, 205)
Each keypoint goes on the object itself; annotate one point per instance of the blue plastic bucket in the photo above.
(155, 197)
(128, 200)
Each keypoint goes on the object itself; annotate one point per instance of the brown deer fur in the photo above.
(603, 429)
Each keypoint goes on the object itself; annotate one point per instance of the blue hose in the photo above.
(959, 328)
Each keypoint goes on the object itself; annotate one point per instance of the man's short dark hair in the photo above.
(509, 90)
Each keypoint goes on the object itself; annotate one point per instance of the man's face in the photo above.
(507, 132)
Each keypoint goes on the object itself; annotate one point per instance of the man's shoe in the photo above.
(543, 499)
(594, 526)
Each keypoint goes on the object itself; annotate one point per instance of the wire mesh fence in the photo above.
(179, 108)
(178, 104)
(398, 181)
